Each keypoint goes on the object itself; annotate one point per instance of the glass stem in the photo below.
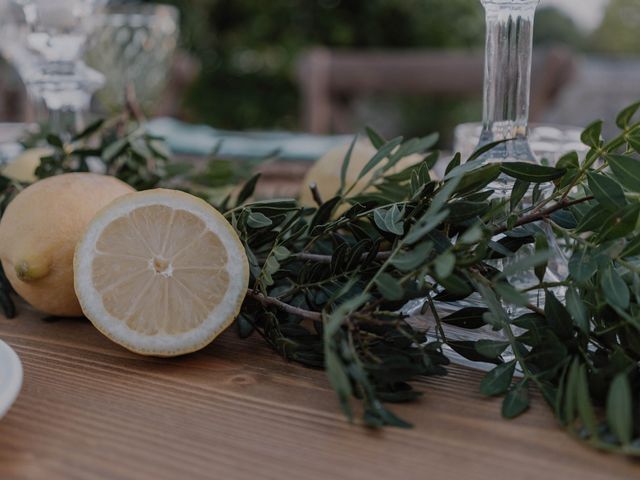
(507, 77)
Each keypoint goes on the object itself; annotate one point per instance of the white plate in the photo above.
(10, 377)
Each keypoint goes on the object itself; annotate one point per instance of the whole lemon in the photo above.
(325, 172)
(39, 231)
(23, 167)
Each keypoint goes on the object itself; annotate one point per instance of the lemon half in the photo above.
(160, 272)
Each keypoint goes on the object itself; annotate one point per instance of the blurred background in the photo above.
(401, 66)
(250, 53)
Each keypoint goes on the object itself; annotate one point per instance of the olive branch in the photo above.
(330, 284)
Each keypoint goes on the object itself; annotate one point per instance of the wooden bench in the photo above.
(330, 79)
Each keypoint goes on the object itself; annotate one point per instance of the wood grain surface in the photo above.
(91, 410)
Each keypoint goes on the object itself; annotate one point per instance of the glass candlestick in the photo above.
(507, 78)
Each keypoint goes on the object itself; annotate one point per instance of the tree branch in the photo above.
(315, 257)
(274, 302)
(534, 217)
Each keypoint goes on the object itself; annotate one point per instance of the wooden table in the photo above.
(236, 410)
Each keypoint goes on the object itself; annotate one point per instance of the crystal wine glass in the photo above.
(57, 32)
(134, 45)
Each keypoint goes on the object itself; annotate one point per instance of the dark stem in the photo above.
(315, 257)
(534, 217)
(132, 104)
(434, 311)
(274, 302)
(535, 309)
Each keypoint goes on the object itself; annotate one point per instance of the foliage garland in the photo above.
(329, 284)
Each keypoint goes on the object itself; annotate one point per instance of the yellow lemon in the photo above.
(39, 231)
(161, 272)
(325, 172)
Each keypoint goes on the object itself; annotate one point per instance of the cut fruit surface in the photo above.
(160, 272)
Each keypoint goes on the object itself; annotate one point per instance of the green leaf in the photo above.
(524, 264)
(494, 305)
(633, 139)
(55, 141)
(491, 348)
(582, 266)
(520, 188)
(569, 161)
(577, 309)
(528, 321)
(458, 170)
(624, 117)
(455, 162)
(424, 225)
(244, 326)
(531, 172)
(410, 260)
(383, 152)
(592, 134)
(569, 410)
(477, 179)
(607, 191)
(463, 210)
(593, 219)
(258, 220)
(614, 288)
(89, 130)
(632, 248)
(626, 170)
(497, 381)
(583, 402)
(484, 149)
(456, 285)
(412, 147)
(389, 287)
(160, 148)
(620, 409)
(472, 235)
(510, 295)
(339, 379)
(334, 321)
(557, 316)
(444, 264)
(376, 415)
(621, 223)
(431, 160)
(469, 318)
(114, 149)
(248, 188)
(542, 245)
(565, 219)
(443, 195)
(375, 138)
(324, 212)
(467, 349)
(345, 165)
(281, 252)
(516, 402)
(389, 220)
